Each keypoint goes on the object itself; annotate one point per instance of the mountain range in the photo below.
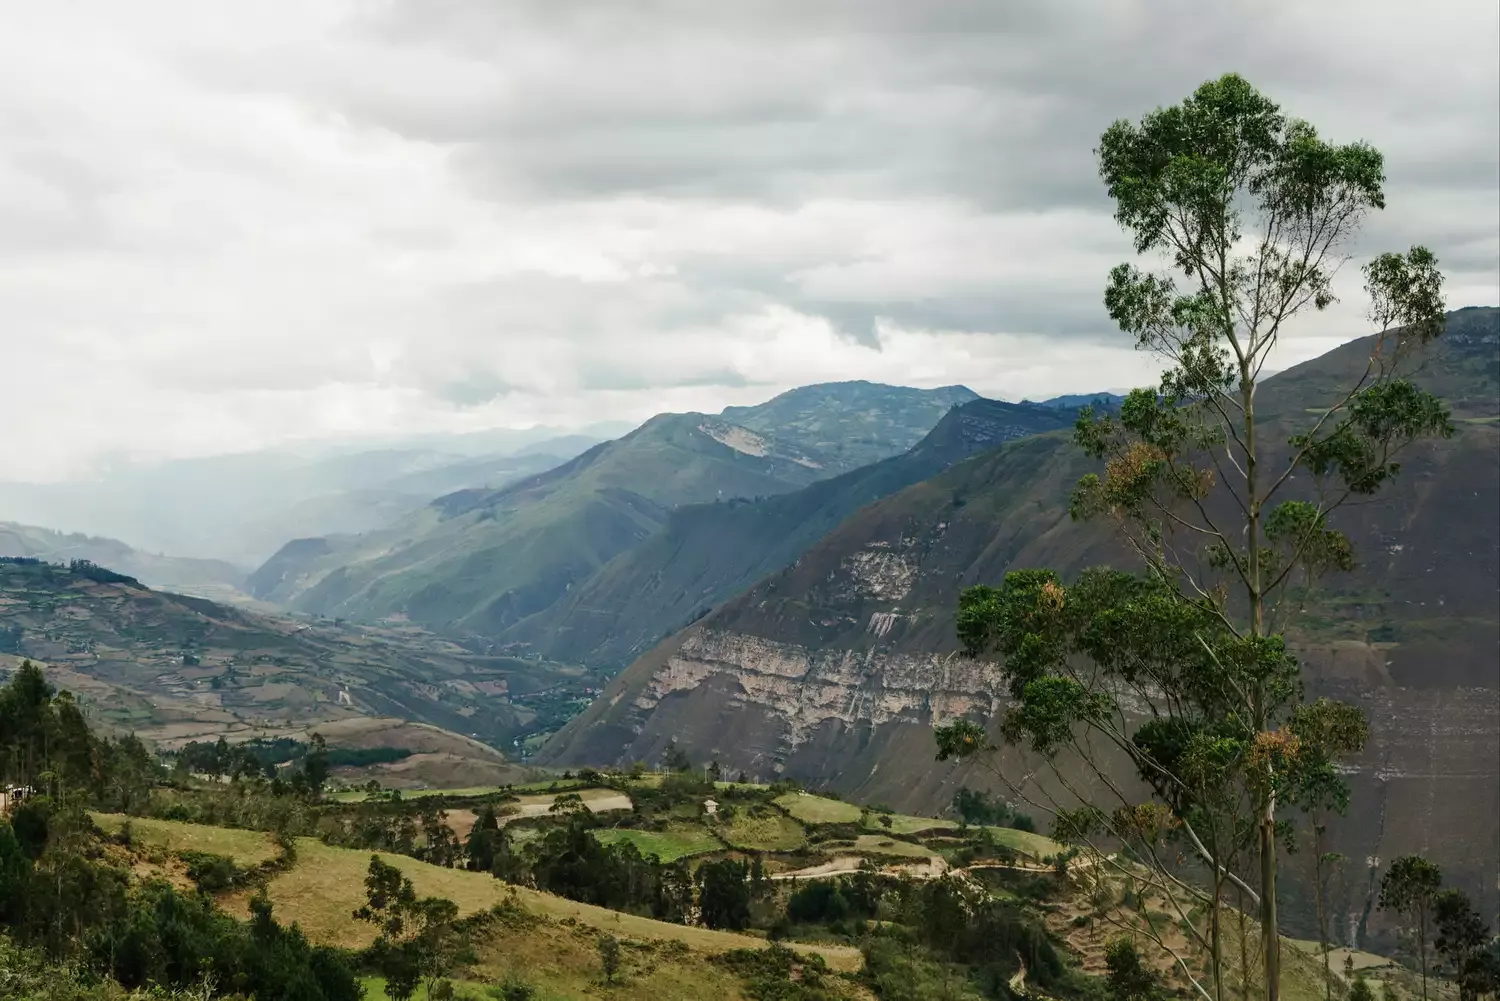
(707, 553)
(477, 562)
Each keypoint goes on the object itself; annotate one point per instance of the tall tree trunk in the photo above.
(1322, 910)
(1244, 947)
(1422, 945)
(1215, 942)
(1270, 939)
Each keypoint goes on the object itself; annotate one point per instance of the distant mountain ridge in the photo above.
(167, 572)
(1074, 401)
(477, 562)
(241, 508)
(707, 553)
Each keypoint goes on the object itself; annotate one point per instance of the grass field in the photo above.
(322, 890)
(770, 832)
(1025, 842)
(562, 961)
(375, 990)
(676, 842)
(812, 809)
(246, 847)
(886, 846)
(902, 823)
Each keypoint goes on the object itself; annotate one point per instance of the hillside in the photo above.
(478, 561)
(152, 569)
(172, 667)
(707, 553)
(834, 670)
(805, 844)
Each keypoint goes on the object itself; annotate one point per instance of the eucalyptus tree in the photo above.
(1181, 673)
(1409, 887)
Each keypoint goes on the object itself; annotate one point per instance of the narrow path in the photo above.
(932, 869)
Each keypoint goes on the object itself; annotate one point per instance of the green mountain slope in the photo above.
(834, 670)
(155, 570)
(707, 553)
(477, 562)
(166, 664)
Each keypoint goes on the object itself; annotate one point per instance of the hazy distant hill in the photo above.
(241, 508)
(478, 562)
(1073, 401)
(835, 669)
(707, 553)
(168, 572)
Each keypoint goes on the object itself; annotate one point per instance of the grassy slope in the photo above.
(678, 841)
(325, 886)
(555, 948)
(247, 848)
(812, 809)
(771, 831)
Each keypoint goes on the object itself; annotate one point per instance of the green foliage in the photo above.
(420, 939)
(609, 957)
(724, 894)
(1360, 990)
(46, 745)
(1409, 888)
(210, 873)
(776, 973)
(1471, 957)
(1128, 978)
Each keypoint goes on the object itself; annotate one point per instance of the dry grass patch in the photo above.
(325, 886)
(247, 848)
(562, 961)
(1025, 842)
(877, 844)
(817, 809)
(902, 823)
(767, 831)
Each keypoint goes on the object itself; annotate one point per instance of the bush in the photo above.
(211, 873)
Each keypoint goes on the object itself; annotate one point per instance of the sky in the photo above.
(230, 226)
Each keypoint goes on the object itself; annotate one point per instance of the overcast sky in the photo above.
(228, 225)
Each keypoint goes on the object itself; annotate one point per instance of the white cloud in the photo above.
(223, 230)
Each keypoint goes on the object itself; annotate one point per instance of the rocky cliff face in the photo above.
(861, 722)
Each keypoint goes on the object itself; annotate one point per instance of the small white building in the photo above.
(710, 807)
